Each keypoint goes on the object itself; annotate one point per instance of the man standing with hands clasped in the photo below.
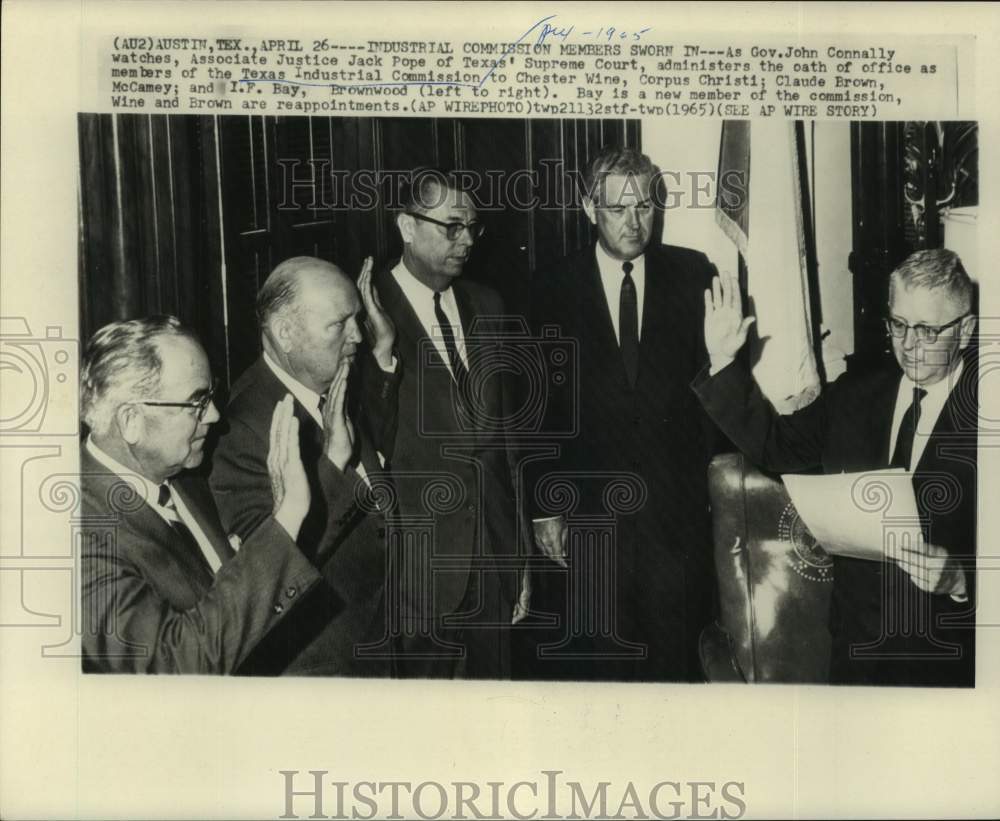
(908, 620)
(633, 307)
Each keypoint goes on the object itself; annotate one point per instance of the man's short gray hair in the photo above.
(616, 160)
(121, 361)
(934, 269)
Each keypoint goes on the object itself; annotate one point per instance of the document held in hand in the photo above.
(868, 515)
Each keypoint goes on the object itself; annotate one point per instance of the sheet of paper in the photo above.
(863, 515)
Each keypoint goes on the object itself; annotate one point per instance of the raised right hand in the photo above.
(289, 485)
(725, 326)
(338, 430)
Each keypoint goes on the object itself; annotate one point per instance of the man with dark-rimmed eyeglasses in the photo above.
(908, 620)
(164, 588)
(453, 474)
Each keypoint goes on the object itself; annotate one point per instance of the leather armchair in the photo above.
(774, 583)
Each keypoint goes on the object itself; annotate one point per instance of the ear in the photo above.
(966, 330)
(131, 423)
(590, 210)
(283, 333)
(406, 225)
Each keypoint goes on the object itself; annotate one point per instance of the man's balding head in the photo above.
(283, 287)
(308, 312)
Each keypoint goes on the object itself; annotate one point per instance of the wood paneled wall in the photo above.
(188, 214)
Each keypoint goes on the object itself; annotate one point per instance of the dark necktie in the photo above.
(628, 325)
(185, 538)
(907, 428)
(458, 369)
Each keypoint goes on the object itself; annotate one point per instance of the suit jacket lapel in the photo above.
(596, 311)
(596, 305)
(468, 314)
(950, 438)
(657, 308)
(408, 325)
(880, 417)
(196, 498)
(142, 520)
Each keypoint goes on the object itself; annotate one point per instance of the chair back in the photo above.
(774, 582)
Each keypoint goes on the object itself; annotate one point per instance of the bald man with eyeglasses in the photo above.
(909, 620)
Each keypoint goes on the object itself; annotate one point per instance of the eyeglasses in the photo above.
(199, 406)
(453, 230)
(926, 334)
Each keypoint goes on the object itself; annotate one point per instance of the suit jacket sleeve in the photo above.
(775, 443)
(242, 489)
(378, 411)
(133, 629)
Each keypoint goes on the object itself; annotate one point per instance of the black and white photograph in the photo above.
(577, 473)
(565, 414)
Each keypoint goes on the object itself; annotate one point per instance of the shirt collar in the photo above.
(415, 290)
(150, 491)
(940, 390)
(306, 397)
(421, 299)
(611, 267)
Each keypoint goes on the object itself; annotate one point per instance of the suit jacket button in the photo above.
(380, 532)
(279, 608)
(291, 592)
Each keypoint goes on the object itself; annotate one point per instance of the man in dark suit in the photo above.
(310, 315)
(633, 306)
(458, 579)
(164, 590)
(907, 620)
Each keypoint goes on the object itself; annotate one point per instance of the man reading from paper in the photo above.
(906, 620)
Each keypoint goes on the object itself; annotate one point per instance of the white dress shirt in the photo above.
(151, 494)
(930, 409)
(612, 276)
(421, 298)
(309, 399)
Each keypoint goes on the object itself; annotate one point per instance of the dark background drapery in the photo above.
(188, 214)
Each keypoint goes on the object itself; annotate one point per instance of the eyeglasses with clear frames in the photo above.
(453, 230)
(927, 334)
(199, 406)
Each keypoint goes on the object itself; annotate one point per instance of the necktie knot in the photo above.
(163, 498)
(627, 268)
